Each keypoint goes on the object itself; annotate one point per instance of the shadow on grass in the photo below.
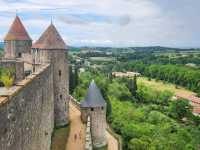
(59, 138)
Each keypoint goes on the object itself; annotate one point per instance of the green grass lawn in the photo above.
(59, 138)
(161, 86)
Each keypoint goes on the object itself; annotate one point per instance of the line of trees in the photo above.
(179, 75)
(150, 57)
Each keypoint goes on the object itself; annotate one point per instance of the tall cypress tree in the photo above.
(76, 77)
(71, 80)
(110, 76)
(133, 86)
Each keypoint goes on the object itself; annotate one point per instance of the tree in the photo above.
(133, 86)
(119, 91)
(7, 81)
(180, 108)
(76, 76)
(110, 76)
(198, 93)
(7, 76)
(71, 80)
(137, 144)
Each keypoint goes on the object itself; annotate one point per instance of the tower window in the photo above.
(59, 72)
(61, 96)
(65, 107)
(102, 108)
(19, 55)
(92, 109)
(46, 133)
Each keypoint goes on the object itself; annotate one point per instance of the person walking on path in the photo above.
(80, 134)
(75, 137)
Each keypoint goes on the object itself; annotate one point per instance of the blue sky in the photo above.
(117, 23)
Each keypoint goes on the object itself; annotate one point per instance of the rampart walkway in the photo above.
(112, 142)
(76, 126)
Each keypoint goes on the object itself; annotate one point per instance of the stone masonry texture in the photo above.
(27, 117)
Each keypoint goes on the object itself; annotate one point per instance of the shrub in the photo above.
(137, 144)
(7, 81)
(7, 77)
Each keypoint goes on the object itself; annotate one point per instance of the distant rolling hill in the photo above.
(148, 48)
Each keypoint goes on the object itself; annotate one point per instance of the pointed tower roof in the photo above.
(17, 31)
(50, 39)
(93, 97)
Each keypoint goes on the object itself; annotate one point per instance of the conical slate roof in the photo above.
(17, 31)
(93, 97)
(50, 39)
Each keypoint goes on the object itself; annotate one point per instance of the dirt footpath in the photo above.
(112, 142)
(76, 138)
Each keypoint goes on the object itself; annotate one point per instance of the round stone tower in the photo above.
(50, 48)
(95, 106)
(17, 41)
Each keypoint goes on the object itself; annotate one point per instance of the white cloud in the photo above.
(125, 22)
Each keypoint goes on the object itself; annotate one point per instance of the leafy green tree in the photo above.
(7, 76)
(180, 108)
(137, 144)
(198, 93)
(122, 93)
(7, 81)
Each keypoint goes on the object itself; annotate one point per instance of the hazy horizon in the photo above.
(101, 46)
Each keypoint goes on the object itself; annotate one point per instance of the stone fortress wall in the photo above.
(27, 113)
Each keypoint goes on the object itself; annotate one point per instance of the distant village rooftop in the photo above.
(194, 101)
(125, 74)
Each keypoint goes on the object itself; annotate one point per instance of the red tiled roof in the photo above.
(192, 98)
(50, 39)
(17, 31)
(196, 110)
